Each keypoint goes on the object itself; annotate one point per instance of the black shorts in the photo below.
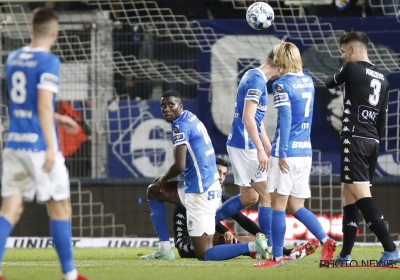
(358, 158)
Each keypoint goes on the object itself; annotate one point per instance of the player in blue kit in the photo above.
(291, 155)
(248, 147)
(32, 161)
(194, 155)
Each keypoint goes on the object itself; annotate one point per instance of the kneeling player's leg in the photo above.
(60, 228)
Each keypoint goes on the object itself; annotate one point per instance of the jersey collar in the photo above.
(262, 73)
(29, 49)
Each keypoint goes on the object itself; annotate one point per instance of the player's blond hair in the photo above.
(287, 58)
(43, 20)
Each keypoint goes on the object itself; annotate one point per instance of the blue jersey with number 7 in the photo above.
(200, 171)
(28, 70)
(294, 99)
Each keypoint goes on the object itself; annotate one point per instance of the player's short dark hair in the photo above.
(222, 162)
(169, 93)
(354, 36)
(40, 17)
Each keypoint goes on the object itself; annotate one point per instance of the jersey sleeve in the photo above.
(49, 74)
(281, 96)
(338, 78)
(180, 134)
(254, 89)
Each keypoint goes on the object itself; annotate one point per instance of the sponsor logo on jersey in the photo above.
(367, 114)
(178, 137)
(279, 88)
(49, 79)
(22, 137)
(301, 145)
(346, 159)
(280, 97)
(374, 74)
(22, 114)
(303, 85)
(346, 141)
(254, 92)
(346, 151)
(210, 152)
(25, 56)
(175, 130)
(262, 107)
(21, 63)
(192, 118)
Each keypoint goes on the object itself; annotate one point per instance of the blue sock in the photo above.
(264, 220)
(228, 209)
(159, 218)
(226, 252)
(311, 222)
(5, 231)
(278, 232)
(61, 233)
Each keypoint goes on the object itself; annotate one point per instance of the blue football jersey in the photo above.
(252, 86)
(200, 171)
(28, 70)
(294, 98)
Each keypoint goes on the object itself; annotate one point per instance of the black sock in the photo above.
(375, 222)
(351, 219)
(286, 251)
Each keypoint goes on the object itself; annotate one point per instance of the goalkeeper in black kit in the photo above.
(223, 235)
(366, 93)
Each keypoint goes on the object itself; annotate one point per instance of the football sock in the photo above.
(278, 232)
(165, 246)
(5, 231)
(226, 252)
(286, 251)
(159, 218)
(264, 220)
(311, 222)
(228, 208)
(351, 219)
(375, 222)
(61, 233)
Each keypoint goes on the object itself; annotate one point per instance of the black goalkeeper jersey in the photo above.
(365, 99)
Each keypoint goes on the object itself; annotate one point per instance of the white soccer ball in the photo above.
(260, 15)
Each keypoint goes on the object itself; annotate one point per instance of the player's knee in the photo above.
(249, 198)
(152, 192)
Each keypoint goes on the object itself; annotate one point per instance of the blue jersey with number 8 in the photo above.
(200, 171)
(28, 70)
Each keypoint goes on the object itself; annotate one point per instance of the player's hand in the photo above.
(156, 179)
(229, 238)
(49, 161)
(68, 124)
(283, 165)
(160, 183)
(262, 160)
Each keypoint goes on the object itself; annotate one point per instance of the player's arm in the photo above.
(381, 122)
(282, 102)
(249, 111)
(66, 123)
(46, 120)
(265, 140)
(338, 78)
(176, 168)
(246, 223)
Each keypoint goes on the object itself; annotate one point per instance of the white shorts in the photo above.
(201, 209)
(23, 176)
(245, 166)
(294, 183)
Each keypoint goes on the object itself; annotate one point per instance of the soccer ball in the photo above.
(260, 15)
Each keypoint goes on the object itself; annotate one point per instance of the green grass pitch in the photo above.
(121, 264)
